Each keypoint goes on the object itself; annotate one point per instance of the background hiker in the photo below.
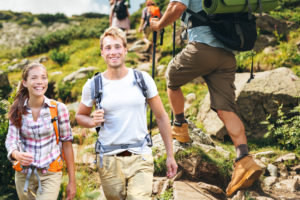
(126, 172)
(206, 56)
(150, 11)
(32, 141)
(119, 15)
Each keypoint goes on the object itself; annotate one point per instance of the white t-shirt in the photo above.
(124, 111)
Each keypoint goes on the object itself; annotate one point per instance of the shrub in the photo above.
(60, 58)
(6, 171)
(285, 132)
(64, 91)
(90, 29)
(49, 18)
(26, 20)
(93, 15)
(1, 26)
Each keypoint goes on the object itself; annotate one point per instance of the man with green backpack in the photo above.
(212, 37)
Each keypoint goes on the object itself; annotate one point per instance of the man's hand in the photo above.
(71, 190)
(172, 167)
(25, 158)
(140, 29)
(154, 24)
(98, 116)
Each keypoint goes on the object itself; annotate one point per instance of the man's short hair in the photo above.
(114, 32)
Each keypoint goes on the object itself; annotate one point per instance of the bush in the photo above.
(91, 29)
(26, 20)
(1, 26)
(64, 91)
(93, 15)
(6, 171)
(60, 58)
(49, 18)
(285, 132)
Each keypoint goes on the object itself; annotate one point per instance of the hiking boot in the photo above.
(246, 171)
(180, 132)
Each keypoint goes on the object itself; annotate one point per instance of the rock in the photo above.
(296, 168)
(263, 198)
(83, 158)
(290, 184)
(269, 181)
(138, 46)
(297, 177)
(4, 63)
(283, 170)
(161, 69)
(240, 195)
(190, 165)
(190, 97)
(189, 191)
(264, 153)
(177, 176)
(79, 74)
(165, 186)
(15, 60)
(209, 187)
(43, 59)
(272, 170)
(270, 50)
(56, 73)
(264, 160)
(73, 106)
(262, 165)
(266, 23)
(144, 67)
(18, 66)
(255, 101)
(158, 184)
(289, 156)
(264, 41)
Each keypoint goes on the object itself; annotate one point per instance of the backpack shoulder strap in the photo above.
(141, 82)
(98, 89)
(54, 118)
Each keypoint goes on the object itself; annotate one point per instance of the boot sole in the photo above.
(182, 141)
(247, 180)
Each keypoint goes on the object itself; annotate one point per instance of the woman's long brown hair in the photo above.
(17, 109)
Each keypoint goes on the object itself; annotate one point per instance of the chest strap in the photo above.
(101, 149)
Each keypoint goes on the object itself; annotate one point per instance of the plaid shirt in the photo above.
(39, 138)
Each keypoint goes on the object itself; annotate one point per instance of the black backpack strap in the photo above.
(141, 82)
(98, 92)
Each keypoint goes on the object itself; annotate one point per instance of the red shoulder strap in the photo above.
(54, 119)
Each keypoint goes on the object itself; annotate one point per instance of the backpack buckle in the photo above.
(54, 119)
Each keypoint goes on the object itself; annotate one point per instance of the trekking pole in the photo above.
(162, 31)
(174, 33)
(153, 69)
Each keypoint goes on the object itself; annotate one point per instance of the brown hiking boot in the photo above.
(180, 132)
(246, 171)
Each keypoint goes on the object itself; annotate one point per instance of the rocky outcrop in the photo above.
(268, 24)
(13, 35)
(255, 101)
(264, 41)
(18, 66)
(79, 74)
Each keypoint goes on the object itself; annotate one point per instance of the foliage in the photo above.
(27, 21)
(49, 18)
(167, 195)
(1, 26)
(165, 60)
(285, 132)
(287, 10)
(92, 28)
(6, 170)
(93, 15)
(64, 91)
(60, 58)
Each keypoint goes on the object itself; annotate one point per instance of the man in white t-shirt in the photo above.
(127, 173)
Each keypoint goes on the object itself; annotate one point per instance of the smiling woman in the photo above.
(34, 136)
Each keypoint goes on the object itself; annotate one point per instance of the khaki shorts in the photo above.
(129, 177)
(50, 185)
(216, 65)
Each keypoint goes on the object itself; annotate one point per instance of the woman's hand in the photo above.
(172, 166)
(71, 190)
(25, 158)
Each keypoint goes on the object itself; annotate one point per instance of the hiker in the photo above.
(124, 159)
(33, 143)
(206, 56)
(148, 13)
(119, 15)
